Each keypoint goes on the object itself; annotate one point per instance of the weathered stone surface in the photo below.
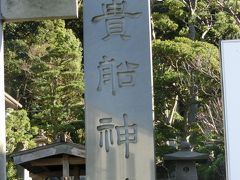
(19, 10)
(2, 113)
(186, 170)
(119, 114)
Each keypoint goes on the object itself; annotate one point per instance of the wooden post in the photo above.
(65, 164)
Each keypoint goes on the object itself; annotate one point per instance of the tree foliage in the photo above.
(58, 81)
(186, 79)
(19, 134)
(43, 70)
(186, 70)
(197, 19)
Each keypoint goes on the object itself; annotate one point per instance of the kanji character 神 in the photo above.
(106, 126)
(126, 134)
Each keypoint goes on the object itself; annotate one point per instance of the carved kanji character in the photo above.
(114, 15)
(125, 73)
(105, 127)
(126, 134)
(106, 74)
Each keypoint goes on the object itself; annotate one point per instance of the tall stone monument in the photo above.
(22, 10)
(118, 75)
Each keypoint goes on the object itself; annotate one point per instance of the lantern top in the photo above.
(185, 154)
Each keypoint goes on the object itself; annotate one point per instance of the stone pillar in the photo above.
(2, 114)
(118, 81)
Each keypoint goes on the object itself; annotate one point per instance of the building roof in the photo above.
(48, 159)
(50, 150)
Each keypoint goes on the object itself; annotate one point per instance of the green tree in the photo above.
(58, 80)
(186, 74)
(197, 19)
(18, 39)
(19, 134)
(43, 70)
(76, 25)
(187, 94)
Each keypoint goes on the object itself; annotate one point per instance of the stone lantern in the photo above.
(185, 161)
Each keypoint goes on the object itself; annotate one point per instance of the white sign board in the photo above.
(230, 52)
(118, 75)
